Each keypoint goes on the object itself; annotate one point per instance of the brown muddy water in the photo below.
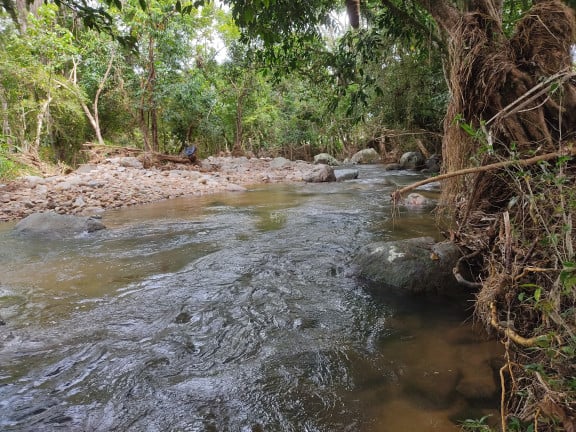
(234, 312)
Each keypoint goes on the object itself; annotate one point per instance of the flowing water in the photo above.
(231, 312)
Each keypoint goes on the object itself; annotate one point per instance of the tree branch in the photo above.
(445, 15)
(397, 195)
(406, 17)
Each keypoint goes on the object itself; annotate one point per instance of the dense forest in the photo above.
(162, 75)
(493, 78)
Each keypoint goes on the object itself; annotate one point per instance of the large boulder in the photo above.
(412, 160)
(416, 266)
(366, 156)
(326, 159)
(346, 174)
(54, 225)
(320, 173)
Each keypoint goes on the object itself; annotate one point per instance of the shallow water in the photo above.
(231, 312)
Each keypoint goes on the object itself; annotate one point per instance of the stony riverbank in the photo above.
(123, 181)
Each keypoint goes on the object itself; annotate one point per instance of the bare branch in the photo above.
(397, 195)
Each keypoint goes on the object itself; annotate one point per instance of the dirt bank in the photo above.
(123, 181)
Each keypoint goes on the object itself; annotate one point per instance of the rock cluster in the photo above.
(123, 181)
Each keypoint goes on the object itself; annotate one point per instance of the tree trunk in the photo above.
(6, 131)
(42, 114)
(19, 10)
(238, 133)
(92, 115)
(151, 96)
(489, 72)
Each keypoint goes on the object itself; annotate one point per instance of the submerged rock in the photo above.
(416, 201)
(417, 266)
(54, 225)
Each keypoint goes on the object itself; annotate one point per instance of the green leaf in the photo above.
(178, 6)
(143, 4)
(537, 294)
(530, 285)
(468, 129)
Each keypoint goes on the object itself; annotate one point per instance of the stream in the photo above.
(234, 312)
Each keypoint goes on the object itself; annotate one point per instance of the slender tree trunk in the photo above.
(6, 131)
(143, 124)
(92, 115)
(97, 129)
(42, 114)
(242, 91)
(153, 113)
(239, 117)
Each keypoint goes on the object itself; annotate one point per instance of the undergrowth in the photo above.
(524, 231)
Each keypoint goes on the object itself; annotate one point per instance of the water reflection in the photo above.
(233, 312)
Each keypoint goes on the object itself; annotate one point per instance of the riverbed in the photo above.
(235, 312)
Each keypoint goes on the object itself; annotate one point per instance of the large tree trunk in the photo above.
(489, 73)
(19, 10)
(515, 98)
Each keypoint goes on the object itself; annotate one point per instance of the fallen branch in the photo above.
(397, 195)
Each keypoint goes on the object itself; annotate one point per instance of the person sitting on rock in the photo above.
(190, 153)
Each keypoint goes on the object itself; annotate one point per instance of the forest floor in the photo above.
(125, 181)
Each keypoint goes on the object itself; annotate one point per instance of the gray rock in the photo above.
(326, 159)
(34, 180)
(79, 202)
(86, 168)
(128, 162)
(279, 162)
(417, 266)
(366, 156)
(412, 160)
(346, 174)
(432, 164)
(416, 201)
(54, 225)
(320, 173)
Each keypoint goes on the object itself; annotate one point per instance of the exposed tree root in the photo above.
(507, 330)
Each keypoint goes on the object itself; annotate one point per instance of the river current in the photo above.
(231, 312)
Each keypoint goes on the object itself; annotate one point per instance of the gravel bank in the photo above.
(123, 181)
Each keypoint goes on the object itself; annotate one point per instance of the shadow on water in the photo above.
(233, 312)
